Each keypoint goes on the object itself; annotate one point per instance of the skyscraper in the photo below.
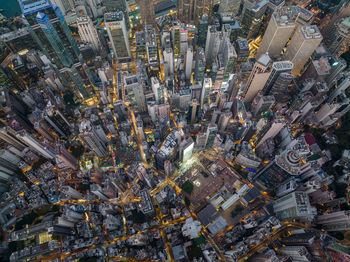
(190, 11)
(118, 35)
(278, 32)
(168, 62)
(224, 120)
(157, 89)
(135, 93)
(91, 139)
(211, 45)
(294, 205)
(8, 135)
(338, 38)
(192, 113)
(88, 32)
(206, 87)
(49, 29)
(252, 16)
(279, 80)
(257, 78)
(188, 65)
(303, 43)
(199, 66)
(336, 221)
(66, 157)
(13, 110)
(151, 47)
(35, 145)
(118, 5)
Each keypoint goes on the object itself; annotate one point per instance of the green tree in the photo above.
(187, 187)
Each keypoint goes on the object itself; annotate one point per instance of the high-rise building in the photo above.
(118, 5)
(279, 81)
(252, 15)
(65, 6)
(262, 104)
(277, 34)
(192, 112)
(91, 138)
(118, 35)
(67, 158)
(224, 120)
(57, 120)
(8, 135)
(211, 45)
(297, 253)
(242, 49)
(87, 32)
(202, 31)
(135, 93)
(337, 67)
(13, 110)
(258, 77)
(338, 38)
(186, 149)
(158, 90)
(35, 145)
(302, 45)
(190, 11)
(294, 205)
(206, 87)
(188, 65)
(146, 11)
(270, 131)
(151, 47)
(335, 221)
(49, 29)
(343, 85)
(71, 192)
(199, 66)
(168, 56)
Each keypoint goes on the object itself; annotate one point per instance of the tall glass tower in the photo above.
(49, 29)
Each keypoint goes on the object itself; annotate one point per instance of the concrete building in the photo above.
(168, 56)
(257, 78)
(224, 120)
(335, 221)
(135, 92)
(87, 32)
(118, 35)
(252, 16)
(188, 65)
(91, 138)
(302, 45)
(338, 39)
(277, 34)
(279, 81)
(211, 45)
(295, 205)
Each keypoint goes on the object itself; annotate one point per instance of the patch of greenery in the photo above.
(199, 240)
(77, 151)
(138, 217)
(187, 187)
(238, 209)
